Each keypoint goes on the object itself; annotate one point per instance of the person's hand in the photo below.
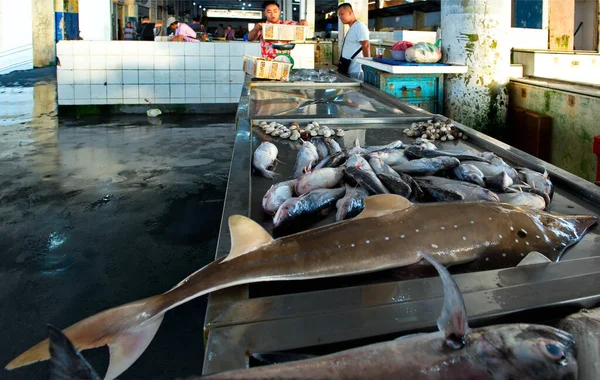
(258, 26)
(158, 23)
(303, 23)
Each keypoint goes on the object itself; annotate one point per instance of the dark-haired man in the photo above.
(146, 31)
(272, 14)
(356, 43)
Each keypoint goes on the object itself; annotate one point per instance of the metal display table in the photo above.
(328, 315)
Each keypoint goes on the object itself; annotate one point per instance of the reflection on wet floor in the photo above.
(98, 211)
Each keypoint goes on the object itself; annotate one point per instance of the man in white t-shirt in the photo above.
(356, 41)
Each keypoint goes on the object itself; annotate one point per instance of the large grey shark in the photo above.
(389, 233)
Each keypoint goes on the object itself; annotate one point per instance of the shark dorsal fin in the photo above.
(246, 236)
(383, 204)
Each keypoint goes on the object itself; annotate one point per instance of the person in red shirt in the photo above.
(272, 13)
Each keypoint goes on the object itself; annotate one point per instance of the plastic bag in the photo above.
(423, 52)
(154, 112)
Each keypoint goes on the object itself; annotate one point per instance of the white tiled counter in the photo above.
(142, 72)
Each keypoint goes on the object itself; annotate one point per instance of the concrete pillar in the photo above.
(361, 11)
(44, 33)
(418, 20)
(561, 24)
(66, 19)
(310, 16)
(475, 33)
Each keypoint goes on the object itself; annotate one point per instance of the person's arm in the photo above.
(366, 48)
(255, 32)
(303, 23)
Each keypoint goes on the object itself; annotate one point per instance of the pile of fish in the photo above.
(507, 351)
(325, 176)
(294, 132)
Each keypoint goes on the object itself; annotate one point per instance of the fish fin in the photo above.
(383, 204)
(246, 236)
(534, 257)
(453, 320)
(127, 347)
(66, 363)
(120, 326)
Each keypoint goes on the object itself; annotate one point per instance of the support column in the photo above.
(561, 24)
(310, 16)
(475, 33)
(361, 11)
(66, 19)
(43, 33)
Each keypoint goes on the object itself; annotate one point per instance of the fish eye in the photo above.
(556, 353)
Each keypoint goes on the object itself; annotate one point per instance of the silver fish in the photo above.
(491, 170)
(469, 173)
(426, 166)
(307, 156)
(264, 157)
(523, 199)
(500, 181)
(359, 170)
(537, 180)
(391, 157)
(351, 204)
(322, 149)
(276, 195)
(296, 213)
(471, 231)
(585, 326)
(334, 147)
(525, 188)
(318, 179)
(332, 161)
(444, 189)
(356, 149)
(424, 143)
(390, 178)
(510, 351)
(393, 145)
(414, 152)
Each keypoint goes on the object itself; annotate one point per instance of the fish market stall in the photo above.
(325, 315)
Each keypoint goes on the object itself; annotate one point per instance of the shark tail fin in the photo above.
(126, 329)
(66, 363)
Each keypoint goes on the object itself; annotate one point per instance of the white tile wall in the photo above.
(192, 91)
(128, 72)
(66, 91)
(98, 62)
(82, 91)
(130, 77)
(146, 76)
(207, 63)
(177, 76)
(192, 76)
(64, 76)
(98, 77)
(81, 76)
(161, 76)
(192, 49)
(114, 76)
(98, 91)
(114, 91)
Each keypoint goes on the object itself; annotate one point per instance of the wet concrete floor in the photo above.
(98, 211)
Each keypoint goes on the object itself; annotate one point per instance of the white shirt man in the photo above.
(357, 39)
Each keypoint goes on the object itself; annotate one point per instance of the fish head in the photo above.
(524, 351)
(285, 212)
(376, 163)
(561, 231)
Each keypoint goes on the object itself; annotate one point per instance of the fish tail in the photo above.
(126, 329)
(269, 173)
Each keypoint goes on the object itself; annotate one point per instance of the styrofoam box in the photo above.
(261, 68)
(414, 36)
(281, 32)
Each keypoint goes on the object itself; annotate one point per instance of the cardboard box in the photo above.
(266, 69)
(281, 32)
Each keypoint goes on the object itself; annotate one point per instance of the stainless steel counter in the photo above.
(328, 315)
